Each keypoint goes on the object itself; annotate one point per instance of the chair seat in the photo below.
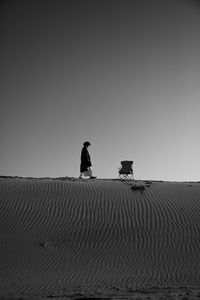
(125, 172)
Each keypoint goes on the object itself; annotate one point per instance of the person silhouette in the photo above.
(85, 167)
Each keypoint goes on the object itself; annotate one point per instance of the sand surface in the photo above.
(67, 238)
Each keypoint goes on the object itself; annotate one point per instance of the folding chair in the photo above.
(126, 170)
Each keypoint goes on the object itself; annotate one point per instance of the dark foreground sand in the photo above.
(74, 239)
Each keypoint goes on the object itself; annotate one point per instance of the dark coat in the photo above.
(85, 160)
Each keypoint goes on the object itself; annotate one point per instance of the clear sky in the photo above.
(124, 75)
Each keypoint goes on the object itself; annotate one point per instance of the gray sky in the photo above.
(124, 75)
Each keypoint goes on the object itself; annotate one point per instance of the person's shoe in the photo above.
(93, 177)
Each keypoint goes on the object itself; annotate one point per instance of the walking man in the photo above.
(85, 167)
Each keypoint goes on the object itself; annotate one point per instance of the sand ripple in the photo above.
(58, 235)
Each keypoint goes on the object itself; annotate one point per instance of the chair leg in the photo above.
(126, 177)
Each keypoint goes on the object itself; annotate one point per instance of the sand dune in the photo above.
(66, 238)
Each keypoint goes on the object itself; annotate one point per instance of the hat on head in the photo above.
(86, 143)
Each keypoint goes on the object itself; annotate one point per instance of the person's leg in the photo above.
(87, 173)
(90, 174)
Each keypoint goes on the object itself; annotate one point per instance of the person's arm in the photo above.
(88, 159)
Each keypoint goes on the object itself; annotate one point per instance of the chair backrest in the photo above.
(126, 167)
